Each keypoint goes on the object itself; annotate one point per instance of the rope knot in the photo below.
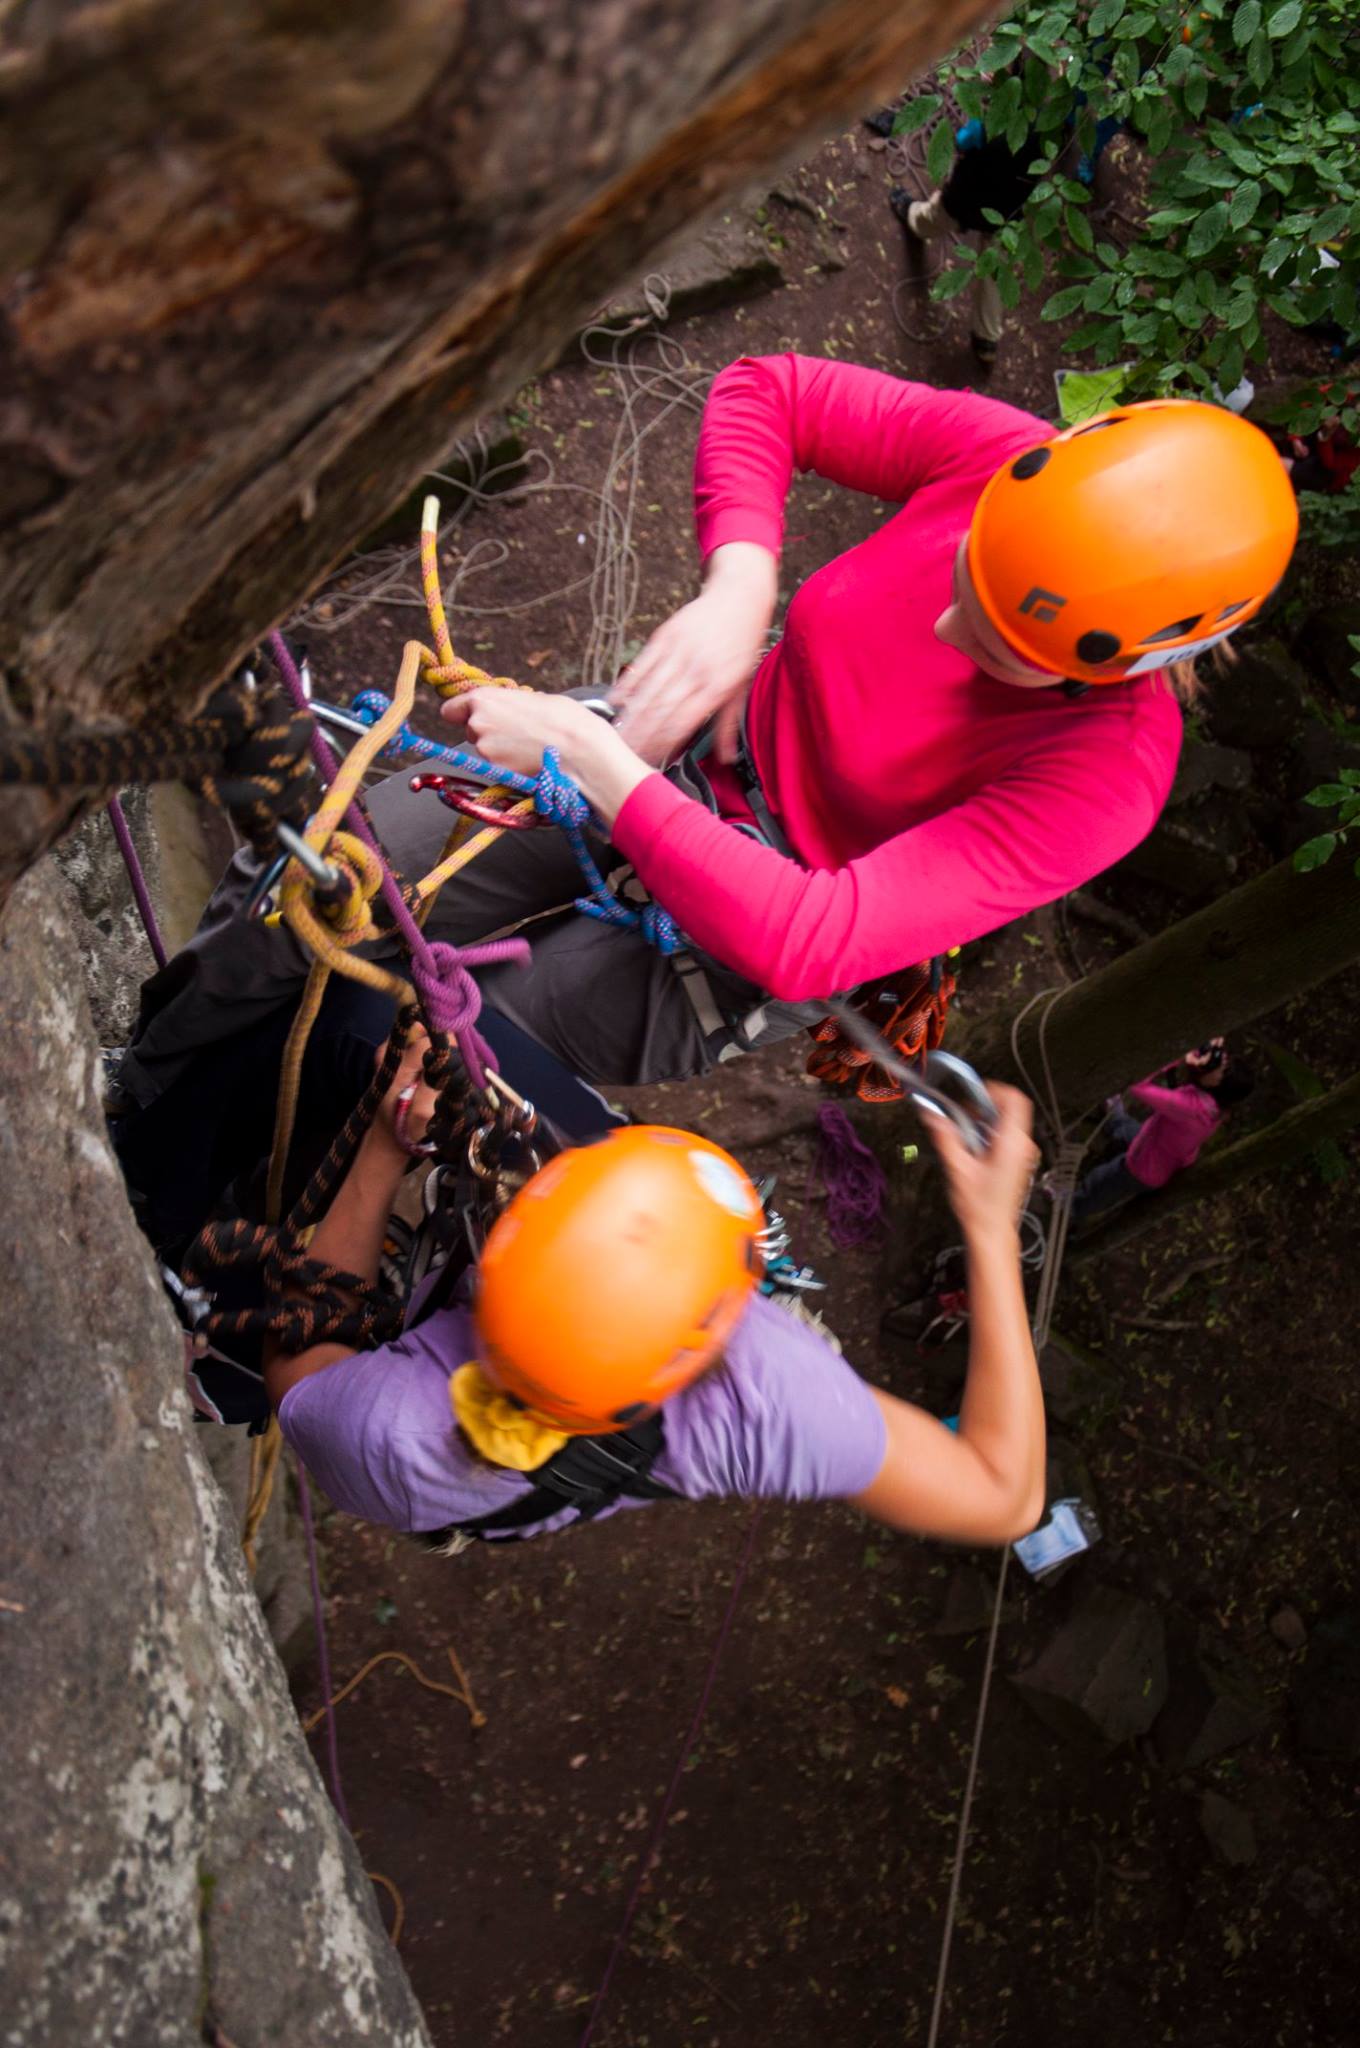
(556, 796)
(449, 996)
(451, 999)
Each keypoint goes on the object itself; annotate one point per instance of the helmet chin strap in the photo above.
(1073, 686)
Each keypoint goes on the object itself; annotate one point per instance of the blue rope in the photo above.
(557, 799)
(371, 705)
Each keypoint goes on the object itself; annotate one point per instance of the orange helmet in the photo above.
(1138, 538)
(616, 1276)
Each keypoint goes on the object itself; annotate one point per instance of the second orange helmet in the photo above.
(616, 1276)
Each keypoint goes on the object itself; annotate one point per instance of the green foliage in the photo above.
(1328, 1157)
(1250, 120)
(1332, 521)
(1341, 796)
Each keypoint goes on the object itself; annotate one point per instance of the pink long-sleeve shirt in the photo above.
(926, 802)
(1181, 1122)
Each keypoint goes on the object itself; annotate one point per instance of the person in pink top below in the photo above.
(1180, 1121)
(967, 715)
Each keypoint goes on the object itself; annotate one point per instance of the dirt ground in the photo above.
(803, 1877)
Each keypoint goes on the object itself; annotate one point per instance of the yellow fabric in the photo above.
(504, 1433)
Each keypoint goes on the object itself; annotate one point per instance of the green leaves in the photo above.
(1246, 21)
(1247, 132)
(951, 283)
(1079, 228)
(1259, 60)
(1106, 13)
(917, 114)
(940, 154)
(1208, 230)
(1243, 204)
(1314, 853)
(1064, 302)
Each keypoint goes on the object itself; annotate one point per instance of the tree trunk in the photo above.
(1284, 1142)
(172, 1864)
(1225, 966)
(262, 261)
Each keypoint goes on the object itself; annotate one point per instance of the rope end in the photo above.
(429, 515)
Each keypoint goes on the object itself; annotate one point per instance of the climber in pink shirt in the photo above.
(967, 715)
(1180, 1121)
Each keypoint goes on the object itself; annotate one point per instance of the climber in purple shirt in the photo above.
(617, 1352)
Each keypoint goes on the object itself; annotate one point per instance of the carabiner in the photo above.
(925, 1089)
(329, 880)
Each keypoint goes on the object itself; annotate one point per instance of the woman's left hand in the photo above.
(513, 727)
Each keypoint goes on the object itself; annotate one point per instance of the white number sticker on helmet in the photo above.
(723, 1184)
(1161, 656)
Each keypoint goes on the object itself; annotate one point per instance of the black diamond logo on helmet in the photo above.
(1044, 604)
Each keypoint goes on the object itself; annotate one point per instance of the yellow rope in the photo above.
(446, 673)
(331, 938)
(398, 1904)
(462, 1692)
(264, 1464)
(428, 888)
(290, 1079)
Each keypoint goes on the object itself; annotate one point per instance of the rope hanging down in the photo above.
(1062, 1180)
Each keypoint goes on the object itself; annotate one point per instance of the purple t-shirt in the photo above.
(783, 1418)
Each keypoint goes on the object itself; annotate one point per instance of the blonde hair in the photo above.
(1188, 685)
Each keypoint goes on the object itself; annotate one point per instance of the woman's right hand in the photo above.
(988, 1190)
(699, 664)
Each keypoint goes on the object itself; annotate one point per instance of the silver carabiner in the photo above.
(973, 1119)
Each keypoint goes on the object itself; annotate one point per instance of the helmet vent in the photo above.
(1029, 464)
(1096, 647)
(1178, 631)
(1229, 609)
(1095, 427)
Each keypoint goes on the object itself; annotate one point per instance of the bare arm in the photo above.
(985, 1484)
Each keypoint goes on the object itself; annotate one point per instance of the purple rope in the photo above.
(451, 997)
(856, 1186)
(136, 876)
(650, 1853)
(323, 1655)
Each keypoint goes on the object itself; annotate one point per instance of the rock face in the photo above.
(114, 955)
(172, 1866)
(1102, 1678)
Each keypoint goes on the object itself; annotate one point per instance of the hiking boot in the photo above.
(881, 123)
(984, 351)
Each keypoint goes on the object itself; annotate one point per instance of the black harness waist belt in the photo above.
(589, 1474)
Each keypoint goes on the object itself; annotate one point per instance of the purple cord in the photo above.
(856, 1186)
(451, 997)
(649, 1854)
(323, 1655)
(141, 893)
